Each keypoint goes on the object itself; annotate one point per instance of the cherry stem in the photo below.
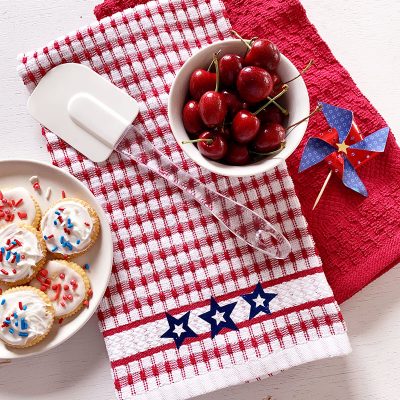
(209, 141)
(216, 72)
(283, 145)
(305, 69)
(284, 90)
(317, 109)
(246, 42)
(212, 62)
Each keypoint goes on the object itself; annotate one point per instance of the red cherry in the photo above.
(191, 117)
(254, 84)
(270, 114)
(215, 149)
(269, 138)
(245, 126)
(264, 54)
(233, 103)
(229, 68)
(201, 81)
(237, 154)
(213, 108)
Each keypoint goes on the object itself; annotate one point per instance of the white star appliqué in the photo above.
(259, 301)
(179, 330)
(219, 317)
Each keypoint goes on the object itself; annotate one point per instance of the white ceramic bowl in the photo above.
(296, 101)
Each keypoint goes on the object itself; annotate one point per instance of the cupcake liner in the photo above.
(49, 309)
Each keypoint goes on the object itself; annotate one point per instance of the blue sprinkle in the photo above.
(69, 221)
(25, 307)
(15, 253)
(6, 322)
(55, 248)
(16, 323)
(62, 239)
(57, 212)
(23, 334)
(11, 330)
(78, 241)
(55, 222)
(45, 237)
(87, 266)
(8, 254)
(14, 242)
(24, 324)
(15, 315)
(18, 258)
(3, 301)
(69, 245)
(3, 250)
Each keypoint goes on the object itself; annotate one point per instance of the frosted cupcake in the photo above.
(26, 316)
(70, 228)
(22, 253)
(18, 206)
(66, 284)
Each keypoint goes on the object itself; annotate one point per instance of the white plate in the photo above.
(99, 257)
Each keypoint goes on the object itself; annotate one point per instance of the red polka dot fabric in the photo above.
(189, 308)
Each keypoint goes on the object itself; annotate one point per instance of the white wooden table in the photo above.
(364, 36)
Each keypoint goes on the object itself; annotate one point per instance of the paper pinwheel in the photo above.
(343, 147)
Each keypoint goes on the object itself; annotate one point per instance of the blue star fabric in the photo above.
(179, 329)
(259, 301)
(219, 317)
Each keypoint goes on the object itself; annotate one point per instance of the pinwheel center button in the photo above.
(342, 147)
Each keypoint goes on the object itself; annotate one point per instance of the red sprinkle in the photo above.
(19, 202)
(66, 287)
(43, 288)
(22, 215)
(4, 271)
(61, 209)
(60, 320)
(14, 271)
(36, 186)
(18, 242)
(62, 304)
(44, 272)
(23, 256)
(1, 195)
(86, 303)
(62, 276)
(63, 195)
(90, 292)
(50, 236)
(69, 297)
(87, 224)
(20, 305)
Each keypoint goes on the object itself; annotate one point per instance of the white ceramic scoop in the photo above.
(94, 117)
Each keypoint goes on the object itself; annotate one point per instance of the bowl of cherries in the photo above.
(238, 107)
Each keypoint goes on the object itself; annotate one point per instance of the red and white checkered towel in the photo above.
(180, 277)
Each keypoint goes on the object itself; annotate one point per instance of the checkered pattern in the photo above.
(169, 254)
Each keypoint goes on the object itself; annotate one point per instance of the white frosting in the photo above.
(18, 208)
(67, 227)
(37, 319)
(19, 261)
(64, 286)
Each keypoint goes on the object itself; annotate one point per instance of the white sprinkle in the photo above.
(33, 179)
(48, 193)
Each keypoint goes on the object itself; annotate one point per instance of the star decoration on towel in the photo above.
(179, 329)
(343, 147)
(259, 301)
(219, 317)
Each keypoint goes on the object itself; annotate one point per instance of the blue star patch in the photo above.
(259, 301)
(219, 317)
(179, 329)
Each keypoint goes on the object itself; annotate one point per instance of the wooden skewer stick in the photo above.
(322, 189)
